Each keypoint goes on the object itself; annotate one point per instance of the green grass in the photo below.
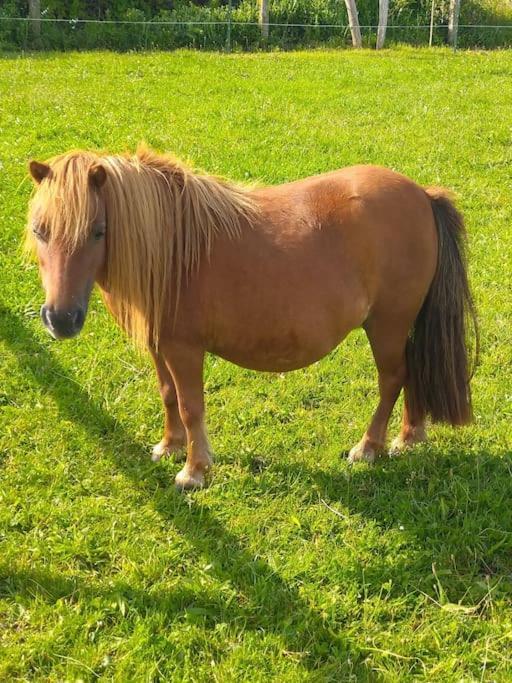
(291, 566)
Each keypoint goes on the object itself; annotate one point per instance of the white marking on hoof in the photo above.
(362, 453)
(399, 444)
(158, 451)
(186, 481)
(397, 447)
(162, 449)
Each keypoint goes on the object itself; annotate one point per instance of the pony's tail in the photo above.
(439, 362)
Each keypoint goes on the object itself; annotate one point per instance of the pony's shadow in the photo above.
(278, 609)
(451, 508)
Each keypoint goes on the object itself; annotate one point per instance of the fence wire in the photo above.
(27, 33)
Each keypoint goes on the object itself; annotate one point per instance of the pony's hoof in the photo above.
(362, 453)
(398, 446)
(164, 448)
(159, 451)
(401, 443)
(188, 481)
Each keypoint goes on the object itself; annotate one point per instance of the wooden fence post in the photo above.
(353, 20)
(453, 22)
(34, 13)
(263, 19)
(431, 36)
(383, 23)
(230, 19)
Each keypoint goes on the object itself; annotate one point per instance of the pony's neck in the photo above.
(197, 204)
(162, 220)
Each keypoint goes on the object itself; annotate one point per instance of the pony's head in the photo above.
(135, 224)
(67, 229)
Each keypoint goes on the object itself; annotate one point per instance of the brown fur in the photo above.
(269, 278)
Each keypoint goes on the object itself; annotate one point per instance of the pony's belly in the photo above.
(269, 356)
(271, 364)
(283, 339)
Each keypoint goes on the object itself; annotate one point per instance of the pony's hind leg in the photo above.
(413, 430)
(388, 346)
(174, 438)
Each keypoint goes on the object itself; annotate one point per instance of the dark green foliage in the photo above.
(318, 15)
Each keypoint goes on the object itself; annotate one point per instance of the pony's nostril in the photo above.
(62, 324)
(44, 315)
(78, 318)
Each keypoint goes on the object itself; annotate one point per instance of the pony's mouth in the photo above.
(63, 324)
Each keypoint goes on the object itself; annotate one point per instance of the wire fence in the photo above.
(225, 33)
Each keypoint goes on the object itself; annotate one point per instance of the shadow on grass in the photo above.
(273, 605)
(454, 507)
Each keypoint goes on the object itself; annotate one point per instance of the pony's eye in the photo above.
(40, 235)
(98, 234)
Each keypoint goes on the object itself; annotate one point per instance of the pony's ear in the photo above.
(39, 171)
(97, 176)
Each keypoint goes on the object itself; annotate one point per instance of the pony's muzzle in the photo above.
(63, 324)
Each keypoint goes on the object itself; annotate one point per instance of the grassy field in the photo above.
(292, 566)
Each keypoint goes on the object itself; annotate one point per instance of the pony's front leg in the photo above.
(174, 438)
(186, 366)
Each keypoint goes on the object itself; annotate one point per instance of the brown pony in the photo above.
(270, 278)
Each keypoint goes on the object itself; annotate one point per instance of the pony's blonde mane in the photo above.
(162, 218)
